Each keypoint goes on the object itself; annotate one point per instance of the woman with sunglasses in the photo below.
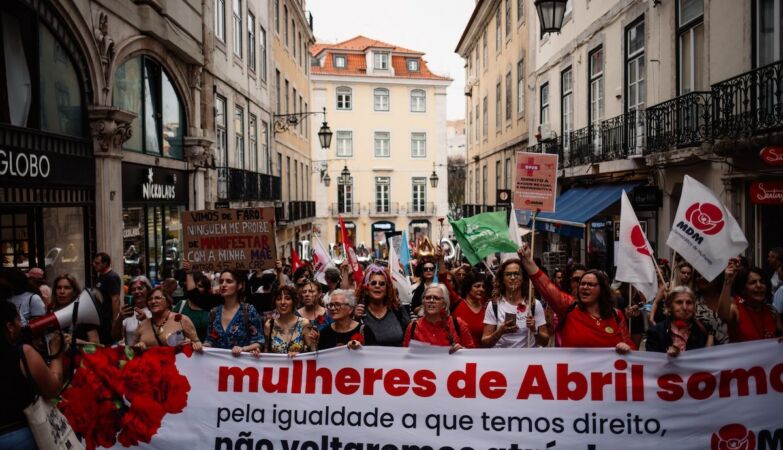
(587, 320)
(165, 328)
(748, 314)
(285, 332)
(512, 320)
(343, 330)
(425, 272)
(235, 324)
(385, 321)
(437, 327)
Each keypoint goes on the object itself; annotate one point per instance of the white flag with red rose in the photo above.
(321, 260)
(634, 259)
(704, 232)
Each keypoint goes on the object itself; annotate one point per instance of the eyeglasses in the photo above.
(511, 274)
(575, 278)
(336, 305)
(428, 268)
(377, 283)
(158, 297)
(433, 298)
(588, 284)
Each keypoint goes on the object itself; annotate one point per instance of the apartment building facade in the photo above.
(498, 101)
(387, 111)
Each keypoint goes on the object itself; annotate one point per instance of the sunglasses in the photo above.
(433, 298)
(336, 305)
(428, 268)
(374, 283)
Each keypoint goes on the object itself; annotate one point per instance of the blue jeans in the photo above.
(21, 439)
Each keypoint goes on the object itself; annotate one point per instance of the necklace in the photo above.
(162, 324)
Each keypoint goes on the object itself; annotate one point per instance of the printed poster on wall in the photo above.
(222, 239)
(536, 182)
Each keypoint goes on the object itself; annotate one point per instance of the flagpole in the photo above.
(630, 299)
(671, 277)
(660, 274)
(532, 254)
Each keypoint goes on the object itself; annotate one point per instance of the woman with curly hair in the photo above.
(588, 319)
(286, 332)
(385, 321)
(513, 320)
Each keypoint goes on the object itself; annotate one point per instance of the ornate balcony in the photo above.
(683, 121)
(344, 209)
(243, 185)
(384, 209)
(616, 138)
(300, 210)
(421, 209)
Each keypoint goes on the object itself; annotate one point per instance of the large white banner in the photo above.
(376, 398)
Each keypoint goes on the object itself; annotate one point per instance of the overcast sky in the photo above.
(430, 26)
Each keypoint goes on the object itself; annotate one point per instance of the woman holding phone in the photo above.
(133, 312)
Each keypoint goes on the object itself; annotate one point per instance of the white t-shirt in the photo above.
(522, 338)
(131, 324)
(29, 305)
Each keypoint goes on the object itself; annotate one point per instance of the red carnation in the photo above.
(358, 337)
(140, 422)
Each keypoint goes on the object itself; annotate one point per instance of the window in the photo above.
(477, 180)
(344, 196)
(301, 122)
(498, 175)
(285, 23)
(277, 16)
(382, 185)
(237, 27)
(288, 177)
(508, 95)
(239, 137)
(344, 143)
(418, 145)
(277, 92)
(485, 116)
(382, 144)
(498, 111)
(306, 122)
(508, 173)
(262, 55)
(252, 128)
(484, 178)
(293, 97)
(413, 65)
(265, 156)
(634, 66)
(296, 181)
(381, 61)
(220, 20)
(508, 18)
(521, 87)
(419, 194)
(293, 38)
(498, 31)
(339, 61)
(520, 10)
(301, 50)
(566, 106)
(769, 35)
(221, 141)
(596, 92)
(690, 39)
(287, 102)
(418, 100)
(486, 51)
(544, 112)
(279, 164)
(251, 41)
(381, 99)
(477, 133)
(470, 185)
(143, 87)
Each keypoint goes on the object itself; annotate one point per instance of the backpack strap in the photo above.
(456, 327)
(181, 306)
(571, 307)
(495, 310)
(413, 330)
(270, 323)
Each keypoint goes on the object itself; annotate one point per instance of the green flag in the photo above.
(482, 235)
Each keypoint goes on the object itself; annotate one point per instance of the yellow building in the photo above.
(497, 102)
(292, 35)
(387, 111)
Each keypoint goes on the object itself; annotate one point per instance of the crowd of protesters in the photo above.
(516, 305)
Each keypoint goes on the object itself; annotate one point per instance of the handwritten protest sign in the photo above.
(223, 239)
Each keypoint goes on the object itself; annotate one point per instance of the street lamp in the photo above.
(284, 121)
(550, 14)
(326, 179)
(434, 177)
(345, 175)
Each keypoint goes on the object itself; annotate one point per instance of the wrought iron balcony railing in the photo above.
(384, 209)
(749, 104)
(345, 209)
(683, 121)
(243, 185)
(421, 209)
(616, 138)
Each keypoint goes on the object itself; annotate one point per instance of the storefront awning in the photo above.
(575, 207)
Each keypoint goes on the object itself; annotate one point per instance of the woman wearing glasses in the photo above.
(165, 328)
(343, 330)
(425, 272)
(436, 327)
(511, 321)
(379, 308)
(587, 320)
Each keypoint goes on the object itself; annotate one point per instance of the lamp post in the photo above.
(550, 14)
(284, 121)
(434, 177)
(345, 175)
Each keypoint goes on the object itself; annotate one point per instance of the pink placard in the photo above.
(536, 182)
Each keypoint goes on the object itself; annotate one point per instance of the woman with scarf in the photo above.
(748, 316)
(385, 321)
(436, 326)
(512, 320)
(588, 320)
(680, 330)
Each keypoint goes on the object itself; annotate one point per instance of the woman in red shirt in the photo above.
(471, 305)
(590, 319)
(749, 317)
(437, 327)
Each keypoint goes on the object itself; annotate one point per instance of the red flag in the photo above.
(350, 254)
(295, 261)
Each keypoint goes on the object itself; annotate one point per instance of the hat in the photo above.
(36, 273)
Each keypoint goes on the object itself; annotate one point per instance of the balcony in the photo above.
(611, 139)
(384, 209)
(749, 104)
(683, 121)
(421, 209)
(344, 209)
(243, 185)
(300, 210)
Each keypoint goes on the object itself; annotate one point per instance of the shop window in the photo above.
(15, 235)
(63, 241)
(152, 241)
(143, 87)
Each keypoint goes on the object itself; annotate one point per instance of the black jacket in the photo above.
(659, 337)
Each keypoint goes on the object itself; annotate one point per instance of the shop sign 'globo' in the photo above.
(20, 164)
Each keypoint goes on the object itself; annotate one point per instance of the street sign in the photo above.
(503, 198)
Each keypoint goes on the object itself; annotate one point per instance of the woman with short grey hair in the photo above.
(436, 327)
(343, 330)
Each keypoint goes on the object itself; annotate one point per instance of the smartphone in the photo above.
(129, 300)
(511, 318)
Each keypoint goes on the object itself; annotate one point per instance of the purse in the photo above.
(48, 425)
